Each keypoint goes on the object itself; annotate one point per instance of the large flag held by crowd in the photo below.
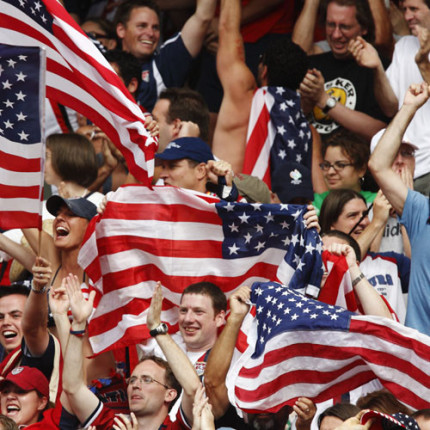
(178, 237)
(300, 347)
(278, 132)
(79, 77)
(21, 136)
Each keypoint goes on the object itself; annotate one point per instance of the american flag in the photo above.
(179, 238)
(302, 347)
(79, 77)
(21, 139)
(277, 132)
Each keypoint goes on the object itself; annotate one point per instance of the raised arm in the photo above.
(194, 30)
(384, 40)
(238, 84)
(82, 401)
(35, 318)
(386, 151)
(366, 56)
(303, 32)
(222, 353)
(179, 363)
(17, 251)
(370, 300)
(422, 56)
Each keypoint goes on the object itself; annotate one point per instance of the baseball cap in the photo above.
(80, 206)
(27, 378)
(376, 138)
(292, 180)
(252, 188)
(192, 148)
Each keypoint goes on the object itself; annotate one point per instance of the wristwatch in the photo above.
(330, 104)
(160, 329)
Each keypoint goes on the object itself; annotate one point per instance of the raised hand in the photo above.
(42, 273)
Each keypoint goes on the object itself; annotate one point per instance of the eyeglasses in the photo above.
(407, 154)
(337, 165)
(98, 36)
(145, 379)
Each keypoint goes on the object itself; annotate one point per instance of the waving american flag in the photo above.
(21, 137)
(177, 237)
(78, 76)
(302, 347)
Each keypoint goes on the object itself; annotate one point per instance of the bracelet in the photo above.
(358, 279)
(78, 333)
(43, 290)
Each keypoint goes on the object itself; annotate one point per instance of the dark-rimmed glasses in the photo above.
(337, 165)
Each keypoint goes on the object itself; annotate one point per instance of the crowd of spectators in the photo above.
(351, 79)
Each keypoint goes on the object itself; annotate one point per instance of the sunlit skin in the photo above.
(350, 215)
(23, 407)
(181, 173)
(348, 178)
(141, 33)
(69, 229)
(198, 323)
(11, 312)
(416, 13)
(51, 176)
(147, 399)
(160, 114)
(403, 160)
(341, 27)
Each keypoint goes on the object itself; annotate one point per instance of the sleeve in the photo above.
(415, 213)
(173, 62)
(45, 363)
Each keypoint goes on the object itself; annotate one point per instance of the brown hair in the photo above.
(73, 158)
(219, 300)
(382, 401)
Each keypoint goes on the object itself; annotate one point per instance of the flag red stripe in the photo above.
(14, 163)
(11, 191)
(10, 219)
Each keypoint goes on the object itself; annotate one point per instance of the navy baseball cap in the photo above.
(81, 207)
(292, 180)
(192, 148)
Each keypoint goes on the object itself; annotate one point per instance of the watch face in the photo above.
(331, 102)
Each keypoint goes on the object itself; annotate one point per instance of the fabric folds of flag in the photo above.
(178, 237)
(79, 77)
(278, 132)
(302, 347)
(21, 136)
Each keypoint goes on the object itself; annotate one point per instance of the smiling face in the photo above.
(198, 323)
(153, 398)
(416, 13)
(24, 407)
(69, 229)
(11, 311)
(341, 27)
(141, 33)
(348, 177)
(351, 213)
(184, 174)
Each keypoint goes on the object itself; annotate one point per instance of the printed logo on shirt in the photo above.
(145, 75)
(344, 92)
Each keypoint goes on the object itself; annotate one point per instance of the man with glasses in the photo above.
(411, 206)
(154, 383)
(338, 90)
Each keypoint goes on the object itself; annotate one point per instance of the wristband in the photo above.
(43, 290)
(78, 333)
(358, 279)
